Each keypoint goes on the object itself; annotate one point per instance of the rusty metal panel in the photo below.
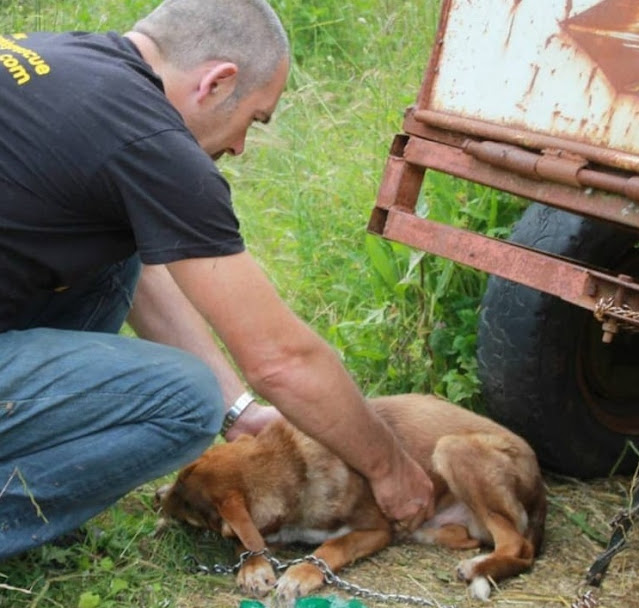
(540, 73)
(569, 281)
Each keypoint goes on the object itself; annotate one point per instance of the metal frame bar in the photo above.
(455, 161)
(394, 218)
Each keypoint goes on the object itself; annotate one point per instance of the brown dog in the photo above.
(283, 486)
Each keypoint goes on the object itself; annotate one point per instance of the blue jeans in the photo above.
(87, 415)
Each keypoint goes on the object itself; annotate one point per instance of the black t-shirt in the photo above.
(96, 164)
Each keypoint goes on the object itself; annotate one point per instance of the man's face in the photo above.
(221, 127)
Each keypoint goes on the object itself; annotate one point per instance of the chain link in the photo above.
(586, 600)
(621, 523)
(606, 306)
(330, 578)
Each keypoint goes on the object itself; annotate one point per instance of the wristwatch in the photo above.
(236, 410)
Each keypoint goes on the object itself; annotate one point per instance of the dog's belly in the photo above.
(460, 514)
(311, 536)
(456, 513)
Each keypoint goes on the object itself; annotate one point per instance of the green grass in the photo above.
(304, 189)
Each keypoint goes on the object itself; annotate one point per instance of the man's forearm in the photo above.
(162, 314)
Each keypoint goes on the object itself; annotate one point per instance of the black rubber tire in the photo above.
(544, 370)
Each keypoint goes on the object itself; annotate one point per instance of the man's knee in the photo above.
(194, 396)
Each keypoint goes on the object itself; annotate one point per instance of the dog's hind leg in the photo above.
(482, 472)
(512, 554)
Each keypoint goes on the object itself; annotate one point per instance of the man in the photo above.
(106, 161)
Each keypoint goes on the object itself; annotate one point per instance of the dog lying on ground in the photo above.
(281, 486)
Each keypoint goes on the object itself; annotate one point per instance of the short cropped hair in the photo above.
(247, 33)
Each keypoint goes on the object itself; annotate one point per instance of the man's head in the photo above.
(223, 63)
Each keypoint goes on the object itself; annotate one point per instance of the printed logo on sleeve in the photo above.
(21, 62)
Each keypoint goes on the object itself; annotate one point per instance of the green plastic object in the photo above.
(313, 602)
(251, 604)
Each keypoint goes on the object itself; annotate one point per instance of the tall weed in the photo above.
(402, 320)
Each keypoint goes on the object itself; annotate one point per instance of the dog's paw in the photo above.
(298, 581)
(479, 586)
(256, 577)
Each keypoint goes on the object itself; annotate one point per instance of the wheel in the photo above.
(544, 370)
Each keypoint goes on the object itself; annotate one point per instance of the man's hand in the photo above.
(253, 419)
(405, 494)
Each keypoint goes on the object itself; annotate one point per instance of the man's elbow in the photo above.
(282, 370)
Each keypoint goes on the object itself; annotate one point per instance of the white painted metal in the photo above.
(566, 68)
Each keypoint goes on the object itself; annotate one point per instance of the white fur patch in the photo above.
(457, 513)
(480, 588)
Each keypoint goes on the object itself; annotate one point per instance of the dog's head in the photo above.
(209, 494)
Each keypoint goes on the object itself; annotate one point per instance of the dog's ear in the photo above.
(234, 511)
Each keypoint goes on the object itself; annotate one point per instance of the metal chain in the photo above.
(586, 600)
(621, 523)
(330, 578)
(606, 306)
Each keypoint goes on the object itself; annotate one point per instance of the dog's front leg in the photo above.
(256, 576)
(304, 578)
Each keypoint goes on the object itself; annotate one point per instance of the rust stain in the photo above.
(591, 78)
(568, 8)
(531, 86)
(513, 10)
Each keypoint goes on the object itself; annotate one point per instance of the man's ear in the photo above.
(219, 78)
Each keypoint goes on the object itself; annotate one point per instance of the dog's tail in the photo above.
(537, 517)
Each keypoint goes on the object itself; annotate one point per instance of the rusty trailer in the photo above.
(541, 101)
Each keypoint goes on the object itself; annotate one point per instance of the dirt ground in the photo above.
(578, 526)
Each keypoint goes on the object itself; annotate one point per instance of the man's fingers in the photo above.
(418, 519)
(412, 522)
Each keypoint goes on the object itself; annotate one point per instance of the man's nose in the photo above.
(237, 147)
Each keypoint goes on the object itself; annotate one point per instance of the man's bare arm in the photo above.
(162, 313)
(293, 368)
